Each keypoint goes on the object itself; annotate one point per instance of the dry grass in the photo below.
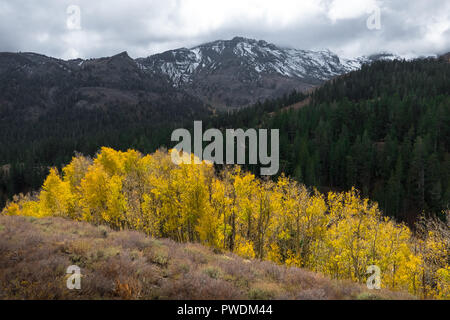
(35, 253)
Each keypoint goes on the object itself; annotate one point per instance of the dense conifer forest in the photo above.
(384, 129)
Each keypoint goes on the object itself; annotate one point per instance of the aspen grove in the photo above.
(338, 234)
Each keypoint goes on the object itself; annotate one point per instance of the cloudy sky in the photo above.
(96, 28)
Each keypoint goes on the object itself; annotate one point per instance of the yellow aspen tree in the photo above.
(339, 235)
(93, 192)
(115, 213)
(111, 161)
(74, 172)
(56, 198)
(22, 205)
(245, 188)
(222, 205)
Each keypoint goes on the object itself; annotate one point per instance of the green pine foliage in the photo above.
(384, 129)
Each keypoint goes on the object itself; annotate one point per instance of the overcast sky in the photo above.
(106, 27)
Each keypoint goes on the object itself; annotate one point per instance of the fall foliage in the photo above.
(338, 234)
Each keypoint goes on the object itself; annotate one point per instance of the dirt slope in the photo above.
(35, 254)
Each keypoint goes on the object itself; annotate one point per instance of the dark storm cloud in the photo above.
(145, 27)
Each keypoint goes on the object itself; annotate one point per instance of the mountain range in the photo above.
(220, 74)
(50, 108)
(34, 85)
(239, 72)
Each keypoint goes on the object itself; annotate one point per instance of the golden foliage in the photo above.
(339, 234)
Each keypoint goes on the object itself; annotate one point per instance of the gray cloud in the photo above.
(142, 28)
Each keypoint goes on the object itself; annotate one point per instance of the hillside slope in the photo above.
(51, 108)
(34, 85)
(340, 235)
(35, 253)
(241, 71)
(384, 129)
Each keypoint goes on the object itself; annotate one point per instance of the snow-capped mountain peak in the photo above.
(256, 56)
(217, 65)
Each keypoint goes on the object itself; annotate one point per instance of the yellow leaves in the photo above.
(116, 204)
(131, 161)
(74, 172)
(283, 235)
(23, 206)
(207, 229)
(31, 209)
(56, 198)
(245, 248)
(245, 185)
(274, 254)
(111, 161)
(443, 283)
(358, 237)
(339, 234)
(12, 209)
(293, 260)
(93, 193)
(435, 252)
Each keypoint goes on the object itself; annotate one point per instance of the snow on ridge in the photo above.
(261, 56)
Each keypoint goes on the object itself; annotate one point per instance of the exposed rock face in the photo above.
(241, 71)
(222, 74)
(445, 57)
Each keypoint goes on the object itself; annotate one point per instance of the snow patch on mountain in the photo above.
(257, 57)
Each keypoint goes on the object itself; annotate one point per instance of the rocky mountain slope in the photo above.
(231, 73)
(32, 85)
(445, 57)
(241, 71)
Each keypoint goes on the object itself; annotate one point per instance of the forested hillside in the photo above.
(337, 234)
(240, 72)
(51, 108)
(384, 129)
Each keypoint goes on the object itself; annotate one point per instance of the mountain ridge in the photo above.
(42, 83)
(223, 73)
(242, 71)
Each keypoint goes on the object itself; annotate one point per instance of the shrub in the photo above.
(213, 272)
